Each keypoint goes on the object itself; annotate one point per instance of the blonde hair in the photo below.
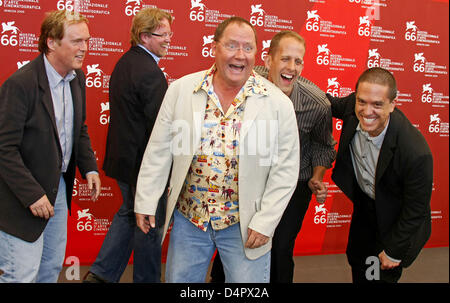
(284, 34)
(54, 24)
(146, 21)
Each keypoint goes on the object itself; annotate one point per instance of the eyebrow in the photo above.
(376, 102)
(235, 41)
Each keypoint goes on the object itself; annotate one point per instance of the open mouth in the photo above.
(237, 68)
(369, 120)
(287, 77)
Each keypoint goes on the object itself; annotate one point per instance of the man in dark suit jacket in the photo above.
(43, 138)
(137, 88)
(385, 167)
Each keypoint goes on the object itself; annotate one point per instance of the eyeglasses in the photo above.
(234, 47)
(165, 35)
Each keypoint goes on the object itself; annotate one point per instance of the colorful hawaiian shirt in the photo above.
(210, 191)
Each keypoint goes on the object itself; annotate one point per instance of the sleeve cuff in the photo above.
(392, 259)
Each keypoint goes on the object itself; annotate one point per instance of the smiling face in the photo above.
(286, 64)
(68, 53)
(158, 45)
(235, 55)
(373, 107)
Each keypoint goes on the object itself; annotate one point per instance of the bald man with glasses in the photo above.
(228, 139)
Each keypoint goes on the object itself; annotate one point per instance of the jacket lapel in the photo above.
(252, 108)
(386, 152)
(46, 94)
(348, 132)
(77, 107)
(199, 100)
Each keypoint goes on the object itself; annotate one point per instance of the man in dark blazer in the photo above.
(43, 138)
(137, 88)
(385, 167)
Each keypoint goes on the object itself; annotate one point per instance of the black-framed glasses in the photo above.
(165, 35)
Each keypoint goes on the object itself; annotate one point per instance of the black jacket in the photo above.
(136, 90)
(30, 152)
(403, 185)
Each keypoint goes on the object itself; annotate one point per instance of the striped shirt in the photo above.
(315, 126)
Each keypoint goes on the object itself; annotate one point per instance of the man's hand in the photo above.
(145, 222)
(255, 239)
(94, 185)
(42, 208)
(319, 189)
(386, 263)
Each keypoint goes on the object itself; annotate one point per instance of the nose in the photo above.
(84, 45)
(239, 53)
(367, 110)
(291, 65)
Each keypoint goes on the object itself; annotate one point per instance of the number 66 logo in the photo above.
(320, 214)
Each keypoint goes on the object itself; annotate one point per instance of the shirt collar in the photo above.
(378, 140)
(152, 54)
(253, 85)
(54, 78)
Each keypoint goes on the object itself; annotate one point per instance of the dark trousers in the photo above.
(364, 242)
(283, 242)
(123, 237)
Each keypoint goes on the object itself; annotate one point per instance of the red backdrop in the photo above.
(344, 37)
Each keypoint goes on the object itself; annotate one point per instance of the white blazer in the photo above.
(268, 162)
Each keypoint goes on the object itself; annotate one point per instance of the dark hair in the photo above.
(222, 26)
(381, 76)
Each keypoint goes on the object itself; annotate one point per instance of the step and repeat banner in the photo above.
(343, 38)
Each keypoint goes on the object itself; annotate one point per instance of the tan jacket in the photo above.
(268, 164)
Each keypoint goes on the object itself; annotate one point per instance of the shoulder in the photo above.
(312, 92)
(274, 93)
(189, 80)
(27, 76)
(81, 76)
(410, 139)
(137, 58)
(309, 93)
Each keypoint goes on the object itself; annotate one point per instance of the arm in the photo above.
(14, 107)
(151, 90)
(342, 106)
(323, 153)
(417, 188)
(316, 185)
(86, 160)
(156, 164)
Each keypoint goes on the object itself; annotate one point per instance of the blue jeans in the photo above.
(42, 260)
(191, 249)
(123, 237)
